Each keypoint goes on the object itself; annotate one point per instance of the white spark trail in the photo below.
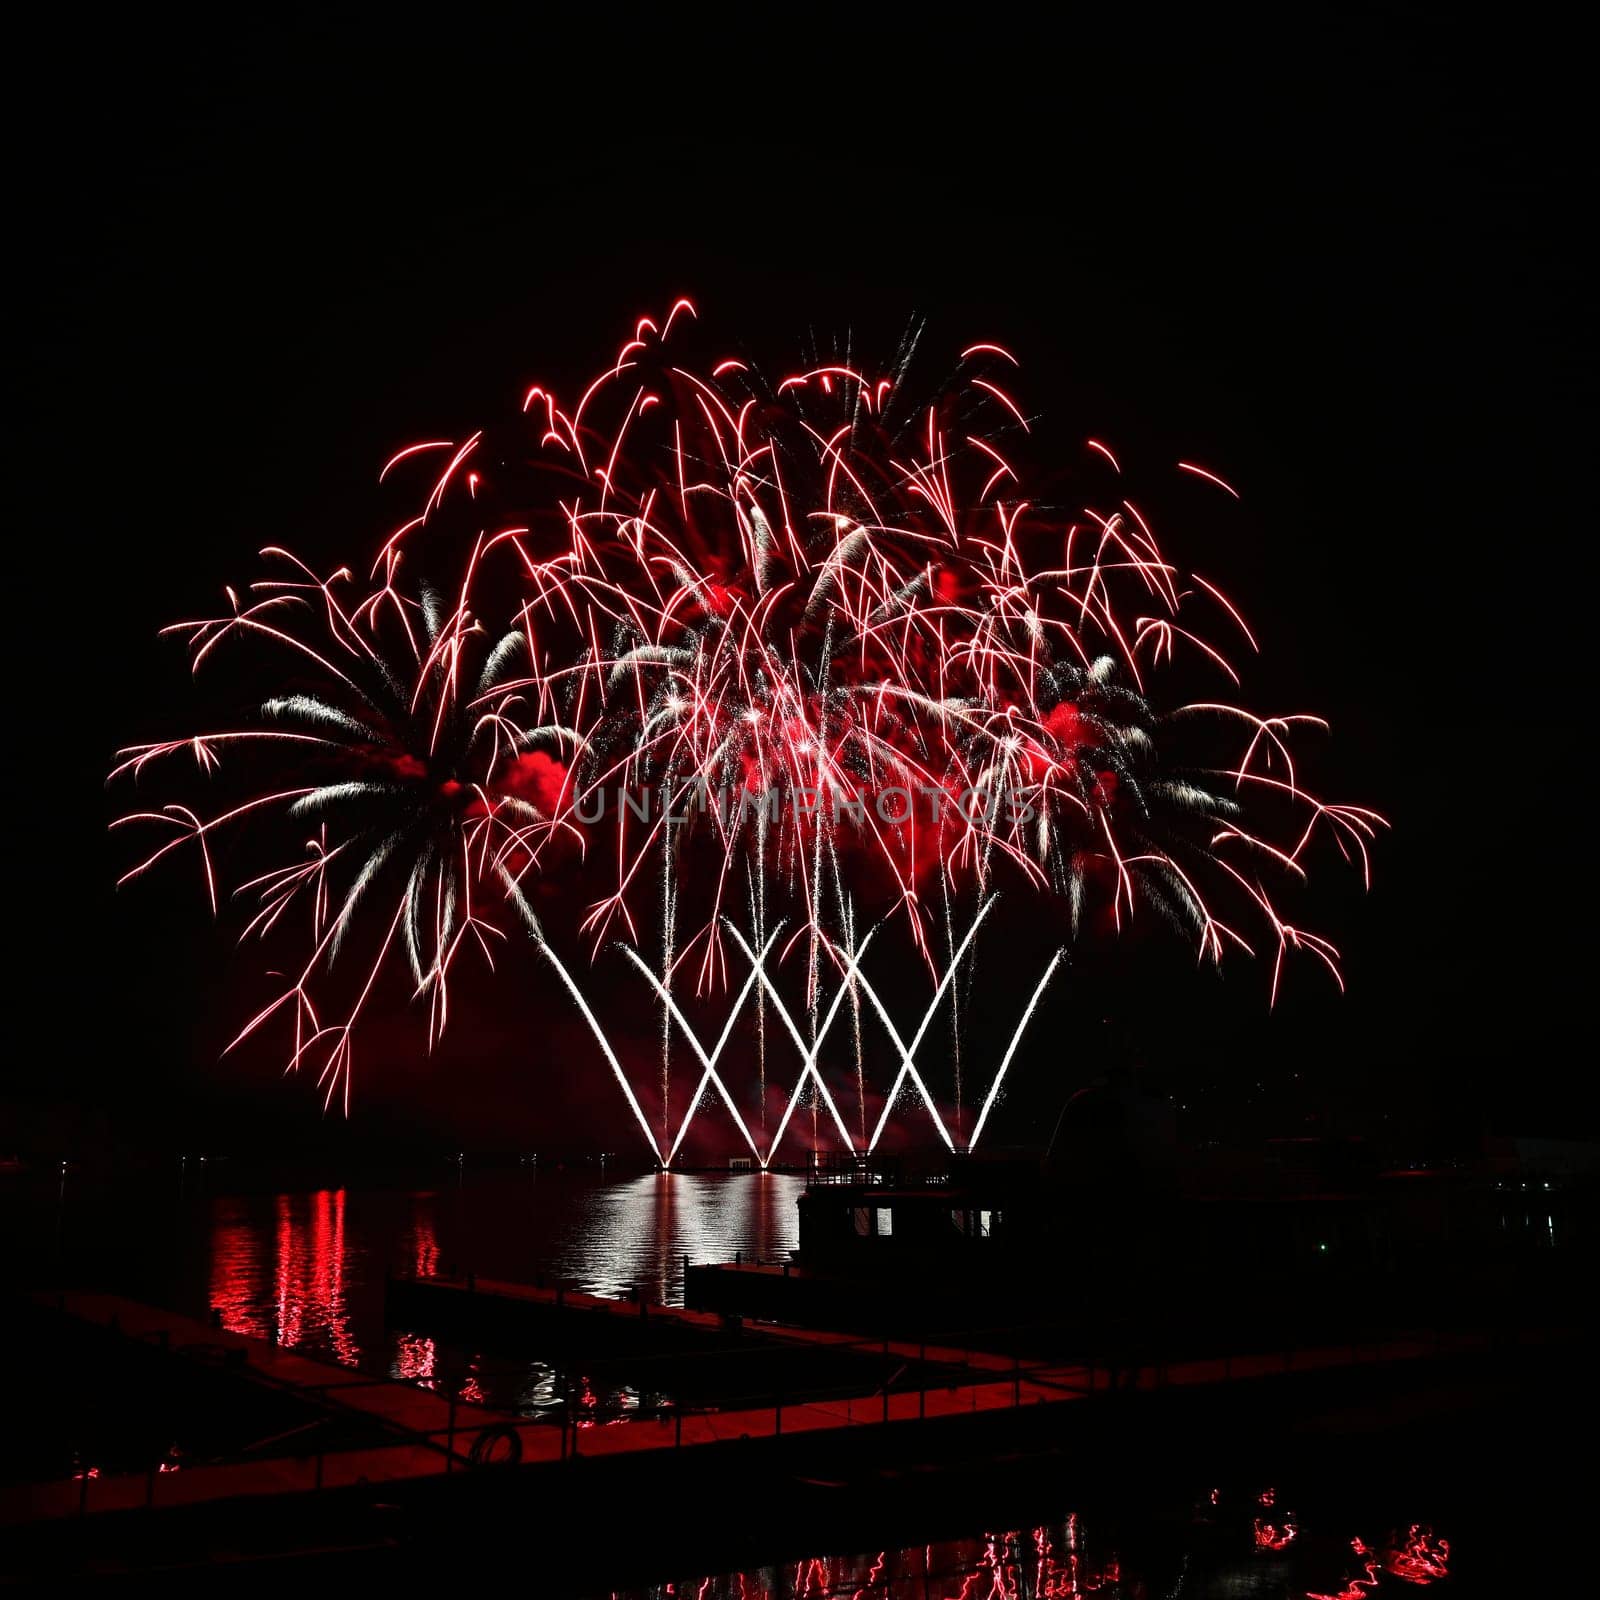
(1011, 1049)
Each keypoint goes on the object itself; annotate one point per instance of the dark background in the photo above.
(1336, 258)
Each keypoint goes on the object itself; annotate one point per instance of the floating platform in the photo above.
(908, 1421)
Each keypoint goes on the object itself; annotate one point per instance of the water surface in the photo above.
(305, 1267)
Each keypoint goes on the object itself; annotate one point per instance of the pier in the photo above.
(413, 1433)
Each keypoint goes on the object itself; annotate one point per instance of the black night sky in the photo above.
(1338, 259)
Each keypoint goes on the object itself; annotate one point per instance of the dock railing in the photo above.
(786, 1386)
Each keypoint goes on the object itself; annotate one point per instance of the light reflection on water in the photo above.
(1216, 1551)
(639, 1232)
(307, 1269)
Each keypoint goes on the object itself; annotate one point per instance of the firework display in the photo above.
(744, 672)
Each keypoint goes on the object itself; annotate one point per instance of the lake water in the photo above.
(305, 1267)
(1228, 1543)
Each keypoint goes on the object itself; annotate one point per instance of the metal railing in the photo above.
(754, 1404)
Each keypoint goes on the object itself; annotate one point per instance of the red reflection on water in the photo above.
(235, 1278)
(1355, 1588)
(298, 1297)
(1419, 1557)
(415, 1358)
(1275, 1535)
(619, 1403)
(1416, 1557)
(1004, 1566)
(423, 1239)
(291, 1320)
(1052, 1562)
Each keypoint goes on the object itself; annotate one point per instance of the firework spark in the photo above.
(408, 778)
(783, 652)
